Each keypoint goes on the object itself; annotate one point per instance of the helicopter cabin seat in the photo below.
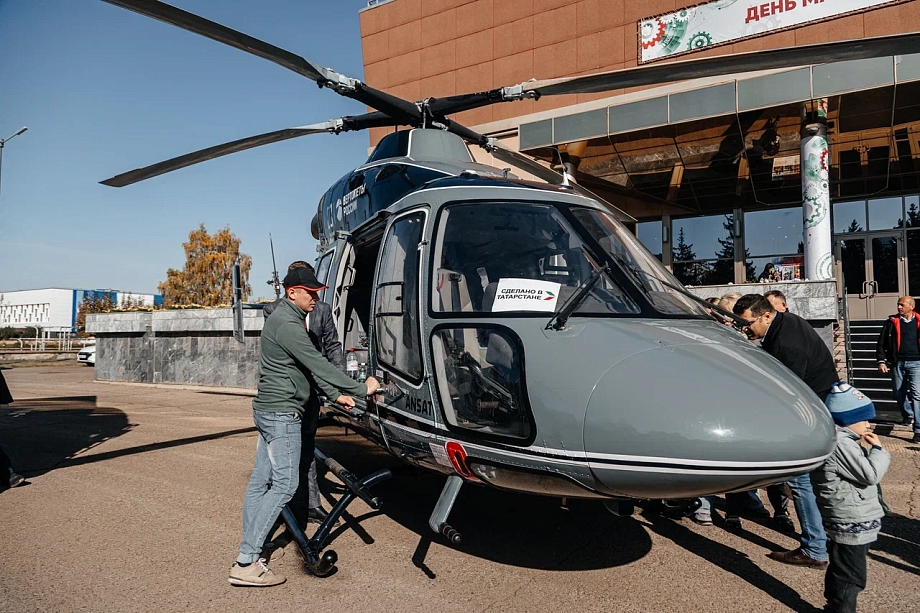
(454, 296)
(552, 268)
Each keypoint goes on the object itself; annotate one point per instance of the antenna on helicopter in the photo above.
(274, 281)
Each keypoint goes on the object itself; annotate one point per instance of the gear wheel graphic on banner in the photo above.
(815, 212)
(683, 15)
(699, 40)
(652, 32)
(825, 268)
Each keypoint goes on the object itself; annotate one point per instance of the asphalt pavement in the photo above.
(134, 501)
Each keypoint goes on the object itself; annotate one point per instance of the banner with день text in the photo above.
(724, 21)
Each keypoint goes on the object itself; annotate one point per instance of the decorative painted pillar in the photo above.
(816, 194)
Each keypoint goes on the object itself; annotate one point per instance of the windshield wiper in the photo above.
(559, 319)
(737, 321)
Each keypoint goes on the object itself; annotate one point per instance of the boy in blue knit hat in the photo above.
(846, 488)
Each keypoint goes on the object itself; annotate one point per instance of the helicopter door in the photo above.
(341, 277)
(323, 265)
(397, 337)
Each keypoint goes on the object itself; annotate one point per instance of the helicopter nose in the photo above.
(723, 418)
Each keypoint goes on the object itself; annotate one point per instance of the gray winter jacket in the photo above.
(846, 488)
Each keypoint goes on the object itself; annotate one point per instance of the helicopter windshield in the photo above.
(517, 257)
(643, 269)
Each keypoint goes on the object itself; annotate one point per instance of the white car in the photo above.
(87, 356)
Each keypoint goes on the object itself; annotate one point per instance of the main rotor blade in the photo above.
(345, 124)
(199, 25)
(396, 107)
(655, 74)
(770, 59)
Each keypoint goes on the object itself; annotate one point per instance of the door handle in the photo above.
(868, 289)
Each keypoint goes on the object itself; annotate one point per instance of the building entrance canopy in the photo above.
(719, 144)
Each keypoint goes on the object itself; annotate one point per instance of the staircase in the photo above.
(864, 374)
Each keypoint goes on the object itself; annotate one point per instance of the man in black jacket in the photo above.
(791, 340)
(322, 331)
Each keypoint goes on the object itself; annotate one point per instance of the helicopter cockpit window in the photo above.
(515, 257)
(643, 269)
(479, 375)
(396, 311)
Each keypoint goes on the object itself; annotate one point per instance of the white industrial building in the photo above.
(55, 309)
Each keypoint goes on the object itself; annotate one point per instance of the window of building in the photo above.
(703, 250)
(850, 216)
(398, 337)
(649, 234)
(912, 210)
(479, 373)
(886, 213)
(912, 220)
(773, 245)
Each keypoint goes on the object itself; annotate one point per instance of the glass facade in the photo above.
(849, 217)
(703, 249)
(773, 244)
(885, 213)
(773, 232)
(649, 234)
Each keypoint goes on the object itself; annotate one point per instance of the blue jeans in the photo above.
(814, 539)
(905, 381)
(274, 478)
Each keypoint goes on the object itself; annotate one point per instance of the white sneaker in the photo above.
(257, 574)
(704, 518)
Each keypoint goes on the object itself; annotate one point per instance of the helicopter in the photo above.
(524, 338)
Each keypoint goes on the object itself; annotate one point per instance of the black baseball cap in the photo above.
(302, 277)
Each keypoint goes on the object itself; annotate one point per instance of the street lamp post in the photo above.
(3, 141)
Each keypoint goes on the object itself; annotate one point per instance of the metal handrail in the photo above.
(847, 338)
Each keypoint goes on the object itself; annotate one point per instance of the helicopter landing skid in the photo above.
(323, 566)
(438, 519)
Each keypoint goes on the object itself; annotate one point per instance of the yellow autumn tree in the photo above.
(207, 278)
(93, 302)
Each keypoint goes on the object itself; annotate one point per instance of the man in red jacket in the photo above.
(898, 352)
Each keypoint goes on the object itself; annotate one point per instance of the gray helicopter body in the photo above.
(640, 394)
(525, 338)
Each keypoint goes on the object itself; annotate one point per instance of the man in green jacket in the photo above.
(287, 364)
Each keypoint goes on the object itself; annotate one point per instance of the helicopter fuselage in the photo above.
(447, 287)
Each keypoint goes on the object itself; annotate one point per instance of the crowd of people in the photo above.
(839, 505)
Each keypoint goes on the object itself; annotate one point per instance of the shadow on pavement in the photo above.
(40, 434)
(900, 538)
(732, 561)
(515, 529)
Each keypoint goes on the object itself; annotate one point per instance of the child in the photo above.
(847, 494)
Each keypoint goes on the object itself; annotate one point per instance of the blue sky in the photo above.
(104, 90)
